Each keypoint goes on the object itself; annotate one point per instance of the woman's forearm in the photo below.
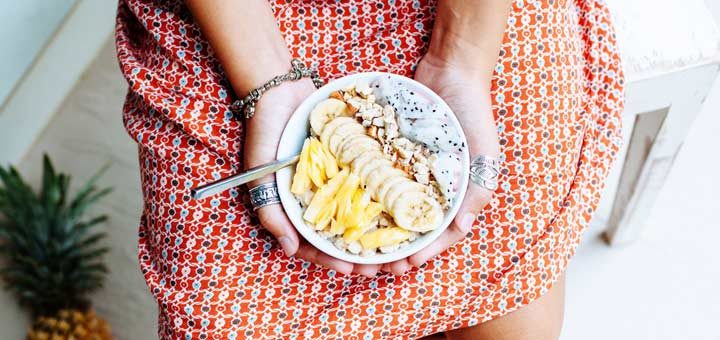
(468, 34)
(245, 38)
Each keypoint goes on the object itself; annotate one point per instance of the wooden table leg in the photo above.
(664, 108)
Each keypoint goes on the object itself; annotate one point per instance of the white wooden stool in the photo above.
(671, 56)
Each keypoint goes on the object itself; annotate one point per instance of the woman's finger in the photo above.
(273, 218)
(399, 267)
(445, 240)
(309, 253)
(367, 270)
(476, 198)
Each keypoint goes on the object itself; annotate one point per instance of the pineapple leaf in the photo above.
(81, 198)
(53, 253)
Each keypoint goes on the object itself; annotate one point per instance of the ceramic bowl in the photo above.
(297, 130)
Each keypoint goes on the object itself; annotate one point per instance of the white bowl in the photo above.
(291, 143)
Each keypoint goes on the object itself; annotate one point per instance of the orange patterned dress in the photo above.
(216, 274)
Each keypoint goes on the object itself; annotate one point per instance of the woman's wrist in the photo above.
(290, 93)
(246, 105)
(467, 65)
(449, 49)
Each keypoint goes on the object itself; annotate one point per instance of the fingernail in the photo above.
(467, 222)
(286, 244)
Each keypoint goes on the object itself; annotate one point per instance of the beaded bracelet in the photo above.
(297, 72)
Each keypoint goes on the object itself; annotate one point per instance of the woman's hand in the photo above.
(247, 42)
(262, 136)
(468, 94)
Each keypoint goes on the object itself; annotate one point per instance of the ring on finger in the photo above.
(484, 171)
(263, 195)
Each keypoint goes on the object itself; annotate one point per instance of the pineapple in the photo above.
(384, 237)
(53, 254)
(70, 324)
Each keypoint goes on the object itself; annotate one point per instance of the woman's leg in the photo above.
(540, 320)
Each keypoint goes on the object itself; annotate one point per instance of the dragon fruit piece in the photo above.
(445, 170)
(385, 90)
(435, 134)
(420, 109)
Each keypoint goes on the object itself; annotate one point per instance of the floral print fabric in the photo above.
(216, 274)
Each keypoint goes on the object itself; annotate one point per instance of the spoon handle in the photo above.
(241, 178)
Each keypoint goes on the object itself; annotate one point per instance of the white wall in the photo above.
(53, 74)
(25, 27)
(86, 133)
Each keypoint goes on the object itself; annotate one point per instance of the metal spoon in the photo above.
(241, 178)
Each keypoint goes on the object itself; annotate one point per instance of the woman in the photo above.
(535, 83)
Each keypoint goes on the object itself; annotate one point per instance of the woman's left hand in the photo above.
(468, 95)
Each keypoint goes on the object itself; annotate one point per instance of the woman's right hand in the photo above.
(262, 136)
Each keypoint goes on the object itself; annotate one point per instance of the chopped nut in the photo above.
(391, 133)
(386, 148)
(404, 154)
(337, 95)
(352, 109)
(420, 168)
(422, 178)
(377, 121)
(363, 89)
(388, 113)
(419, 158)
(351, 89)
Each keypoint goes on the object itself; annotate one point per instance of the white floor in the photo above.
(667, 285)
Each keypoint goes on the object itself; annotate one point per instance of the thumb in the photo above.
(476, 198)
(273, 218)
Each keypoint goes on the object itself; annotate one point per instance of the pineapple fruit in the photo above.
(338, 202)
(53, 256)
(70, 325)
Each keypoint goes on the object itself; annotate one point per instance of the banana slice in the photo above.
(416, 211)
(341, 132)
(354, 146)
(326, 111)
(385, 186)
(360, 161)
(377, 164)
(397, 189)
(380, 176)
(330, 127)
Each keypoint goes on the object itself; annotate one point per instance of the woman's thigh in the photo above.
(540, 320)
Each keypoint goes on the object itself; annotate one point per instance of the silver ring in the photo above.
(484, 171)
(263, 195)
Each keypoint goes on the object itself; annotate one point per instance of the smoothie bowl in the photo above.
(383, 167)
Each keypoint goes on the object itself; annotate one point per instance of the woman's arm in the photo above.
(248, 44)
(468, 35)
(459, 65)
(245, 38)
